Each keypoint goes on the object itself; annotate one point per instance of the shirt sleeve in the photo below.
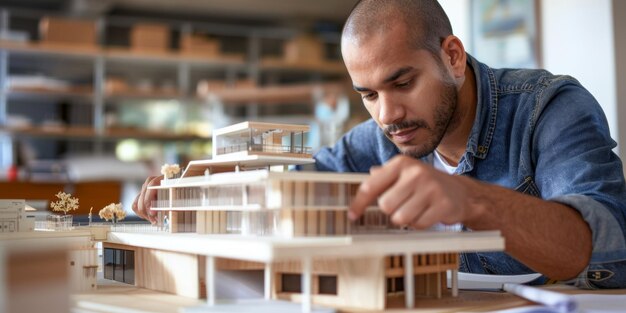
(576, 166)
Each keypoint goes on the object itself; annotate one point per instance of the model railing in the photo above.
(264, 148)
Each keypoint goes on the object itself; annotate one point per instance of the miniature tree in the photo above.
(170, 170)
(65, 204)
(112, 212)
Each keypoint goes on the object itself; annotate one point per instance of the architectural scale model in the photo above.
(240, 212)
(14, 217)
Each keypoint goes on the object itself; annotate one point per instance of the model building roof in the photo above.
(260, 125)
(197, 168)
(270, 249)
(262, 175)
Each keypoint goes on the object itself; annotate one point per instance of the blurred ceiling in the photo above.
(283, 10)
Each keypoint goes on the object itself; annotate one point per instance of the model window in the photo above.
(327, 285)
(395, 284)
(291, 283)
(119, 265)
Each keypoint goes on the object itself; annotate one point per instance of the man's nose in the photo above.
(391, 110)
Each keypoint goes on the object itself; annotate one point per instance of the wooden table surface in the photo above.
(115, 297)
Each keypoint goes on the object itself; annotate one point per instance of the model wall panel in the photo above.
(167, 271)
(312, 222)
(341, 223)
(201, 222)
(26, 273)
(360, 282)
(299, 201)
(287, 223)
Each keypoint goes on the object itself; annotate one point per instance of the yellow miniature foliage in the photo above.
(169, 170)
(111, 211)
(65, 204)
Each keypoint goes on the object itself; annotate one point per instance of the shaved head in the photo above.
(425, 22)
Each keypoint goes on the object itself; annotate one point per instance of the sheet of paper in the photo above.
(469, 281)
(555, 302)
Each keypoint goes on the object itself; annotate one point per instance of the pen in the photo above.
(560, 302)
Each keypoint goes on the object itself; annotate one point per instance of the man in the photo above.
(454, 141)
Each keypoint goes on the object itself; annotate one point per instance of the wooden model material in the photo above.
(47, 265)
(14, 216)
(294, 225)
(235, 213)
(255, 138)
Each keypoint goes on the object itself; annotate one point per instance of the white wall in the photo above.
(581, 38)
(619, 29)
(459, 13)
(578, 40)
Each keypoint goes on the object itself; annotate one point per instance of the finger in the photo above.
(136, 208)
(137, 204)
(410, 210)
(148, 196)
(141, 207)
(369, 190)
(431, 216)
(441, 211)
(400, 191)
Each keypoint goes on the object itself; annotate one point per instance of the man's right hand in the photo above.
(143, 203)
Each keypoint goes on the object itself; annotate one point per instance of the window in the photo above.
(395, 284)
(108, 263)
(129, 267)
(399, 284)
(119, 265)
(291, 283)
(327, 285)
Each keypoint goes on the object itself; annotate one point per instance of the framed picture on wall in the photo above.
(505, 33)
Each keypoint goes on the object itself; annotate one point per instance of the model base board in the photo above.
(258, 306)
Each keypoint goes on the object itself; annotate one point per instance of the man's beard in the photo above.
(444, 114)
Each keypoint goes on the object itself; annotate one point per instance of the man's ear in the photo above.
(453, 55)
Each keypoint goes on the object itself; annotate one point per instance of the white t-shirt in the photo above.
(441, 164)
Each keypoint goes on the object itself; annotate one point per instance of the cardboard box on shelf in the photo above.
(195, 44)
(74, 32)
(245, 83)
(305, 48)
(115, 85)
(207, 86)
(150, 38)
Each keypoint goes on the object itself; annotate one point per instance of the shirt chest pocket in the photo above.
(528, 187)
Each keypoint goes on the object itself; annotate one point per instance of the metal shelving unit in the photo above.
(104, 60)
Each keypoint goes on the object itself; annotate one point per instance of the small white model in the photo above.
(15, 217)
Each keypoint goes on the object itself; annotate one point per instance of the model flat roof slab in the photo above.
(43, 240)
(259, 125)
(246, 177)
(270, 249)
(197, 167)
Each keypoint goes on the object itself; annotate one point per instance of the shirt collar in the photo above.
(486, 109)
(484, 126)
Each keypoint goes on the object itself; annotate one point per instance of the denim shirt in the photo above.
(539, 134)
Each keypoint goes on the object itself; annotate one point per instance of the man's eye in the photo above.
(369, 96)
(403, 84)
